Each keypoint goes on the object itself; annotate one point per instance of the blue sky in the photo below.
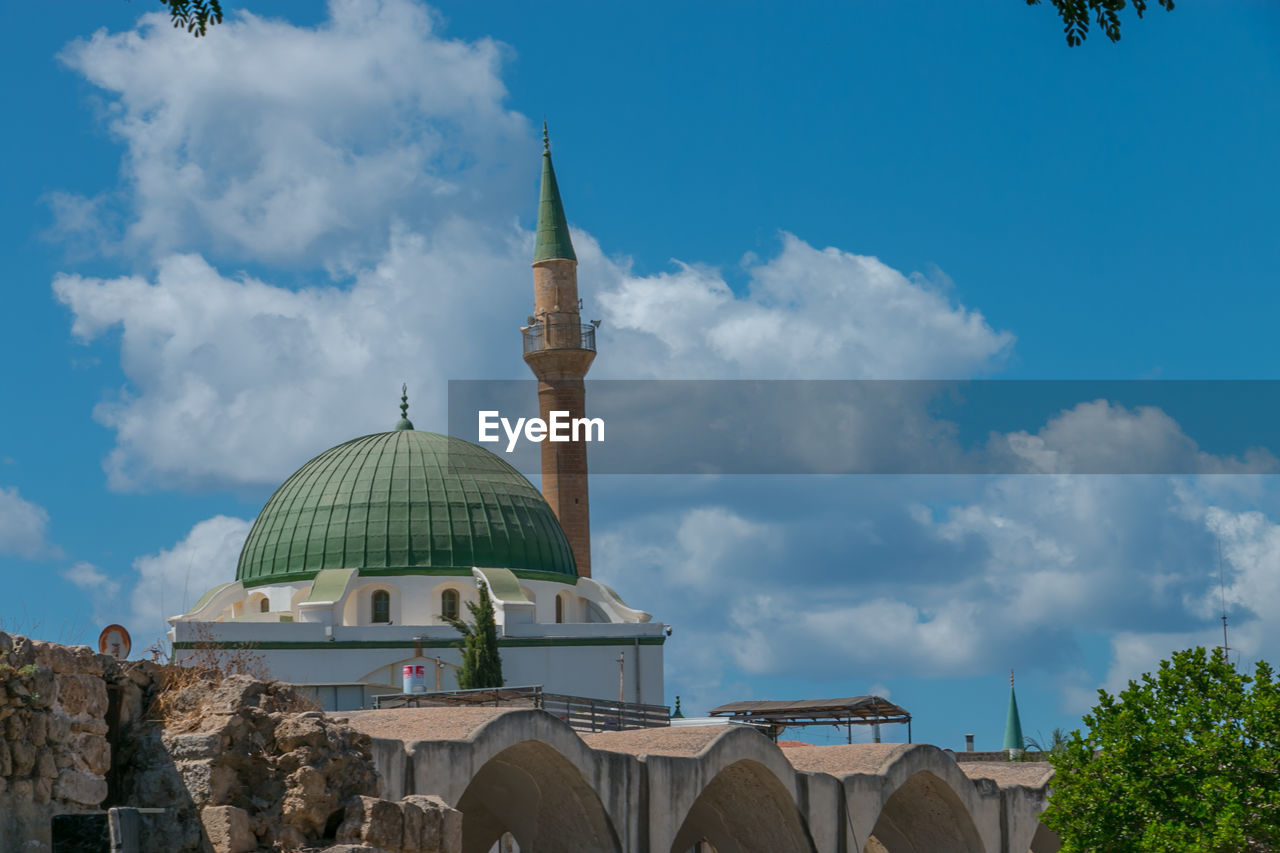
(223, 256)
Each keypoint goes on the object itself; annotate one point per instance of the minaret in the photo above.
(1013, 743)
(559, 350)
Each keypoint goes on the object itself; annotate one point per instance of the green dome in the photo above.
(405, 502)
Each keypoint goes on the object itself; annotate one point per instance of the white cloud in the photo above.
(1035, 572)
(281, 143)
(90, 578)
(235, 381)
(101, 589)
(171, 580)
(23, 526)
(1101, 437)
(375, 148)
(808, 313)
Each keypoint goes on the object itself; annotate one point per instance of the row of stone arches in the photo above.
(529, 798)
(532, 785)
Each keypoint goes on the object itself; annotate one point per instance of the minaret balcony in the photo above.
(556, 336)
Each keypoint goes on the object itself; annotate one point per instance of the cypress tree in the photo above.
(481, 663)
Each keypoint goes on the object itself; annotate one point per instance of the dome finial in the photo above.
(546, 138)
(404, 422)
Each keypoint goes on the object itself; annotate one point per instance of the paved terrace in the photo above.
(524, 772)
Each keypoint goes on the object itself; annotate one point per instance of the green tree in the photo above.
(194, 16)
(481, 662)
(1188, 759)
(1075, 16)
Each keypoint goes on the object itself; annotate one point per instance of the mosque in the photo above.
(350, 568)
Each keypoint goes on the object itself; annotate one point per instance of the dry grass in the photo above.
(181, 687)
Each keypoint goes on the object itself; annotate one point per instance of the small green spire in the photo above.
(677, 715)
(1013, 723)
(404, 422)
(553, 231)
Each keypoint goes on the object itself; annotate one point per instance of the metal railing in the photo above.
(546, 336)
(579, 712)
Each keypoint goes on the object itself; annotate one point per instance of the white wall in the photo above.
(578, 670)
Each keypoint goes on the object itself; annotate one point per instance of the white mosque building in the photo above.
(352, 564)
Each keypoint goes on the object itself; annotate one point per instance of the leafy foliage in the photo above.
(1056, 742)
(194, 15)
(1189, 759)
(481, 662)
(1075, 16)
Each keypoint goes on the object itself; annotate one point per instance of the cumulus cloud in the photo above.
(234, 381)
(282, 144)
(1031, 572)
(808, 313)
(230, 376)
(171, 580)
(90, 578)
(23, 526)
(101, 588)
(376, 149)
(1102, 437)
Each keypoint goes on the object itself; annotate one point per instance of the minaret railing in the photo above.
(550, 336)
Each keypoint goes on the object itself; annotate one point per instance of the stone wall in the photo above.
(237, 764)
(54, 753)
(244, 765)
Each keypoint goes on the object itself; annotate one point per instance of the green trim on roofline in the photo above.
(504, 642)
(452, 571)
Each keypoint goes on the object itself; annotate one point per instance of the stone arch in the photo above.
(744, 807)
(533, 792)
(924, 814)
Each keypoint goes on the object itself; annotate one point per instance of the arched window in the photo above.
(381, 606)
(559, 608)
(449, 601)
(264, 606)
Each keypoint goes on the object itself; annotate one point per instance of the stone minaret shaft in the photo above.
(559, 350)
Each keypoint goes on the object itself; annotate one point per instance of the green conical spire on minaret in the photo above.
(553, 230)
(1013, 723)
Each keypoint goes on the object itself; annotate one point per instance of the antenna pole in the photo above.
(1222, 593)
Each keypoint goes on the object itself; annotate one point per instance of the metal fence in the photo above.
(545, 336)
(579, 712)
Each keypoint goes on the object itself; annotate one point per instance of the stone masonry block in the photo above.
(228, 829)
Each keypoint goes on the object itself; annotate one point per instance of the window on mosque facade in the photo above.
(559, 608)
(449, 601)
(264, 606)
(381, 606)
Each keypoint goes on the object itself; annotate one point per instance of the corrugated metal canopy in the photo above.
(852, 709)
